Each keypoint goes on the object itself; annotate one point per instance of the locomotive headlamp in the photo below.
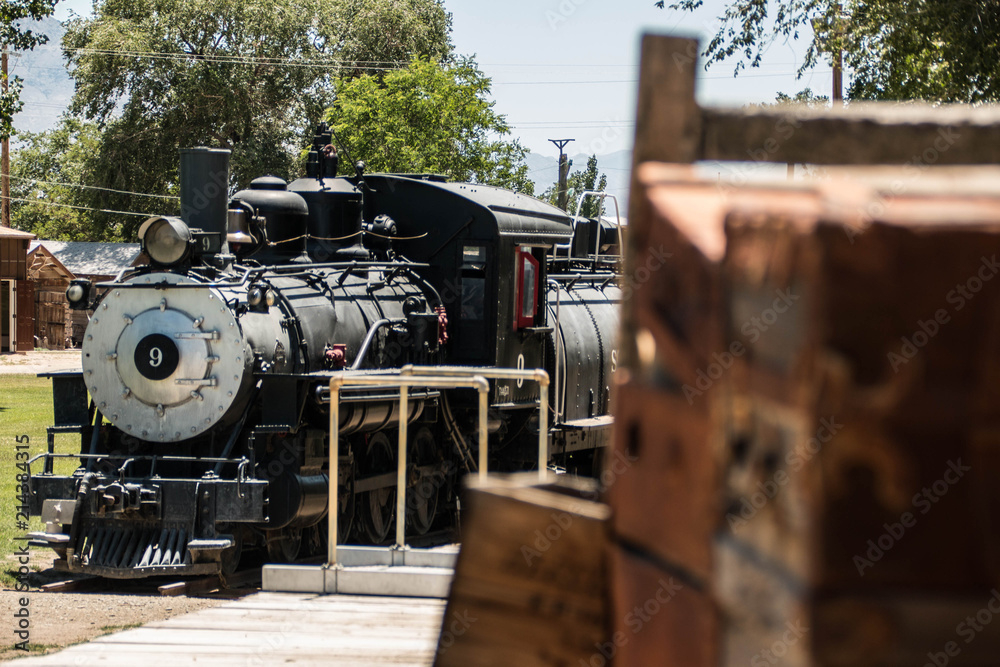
(78, 294)
(261, 297)
(167, 241)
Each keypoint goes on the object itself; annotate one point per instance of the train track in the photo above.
(241, 582)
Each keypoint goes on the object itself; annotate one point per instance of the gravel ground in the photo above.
(41, 361)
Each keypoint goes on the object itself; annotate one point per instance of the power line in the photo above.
(79, 208)
(94, 187)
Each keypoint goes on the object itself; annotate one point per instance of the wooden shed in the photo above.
(96, 261)
(52, 313)
(16, 293)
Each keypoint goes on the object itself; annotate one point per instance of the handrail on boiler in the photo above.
(429, 377)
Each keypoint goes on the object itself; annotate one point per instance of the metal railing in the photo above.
(520, 374)
(438, 377)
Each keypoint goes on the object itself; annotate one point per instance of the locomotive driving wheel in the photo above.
(422, 496)
(346, 505)
(378, 509)
(283, 545)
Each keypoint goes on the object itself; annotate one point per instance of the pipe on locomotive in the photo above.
(477, 382)
(372, 330)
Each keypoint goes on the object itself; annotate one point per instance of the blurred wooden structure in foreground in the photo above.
(810, 398)
(529, 585)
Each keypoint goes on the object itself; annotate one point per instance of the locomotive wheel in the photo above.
(422, 497)
(347, 506)
(283, 545)
(378, 509)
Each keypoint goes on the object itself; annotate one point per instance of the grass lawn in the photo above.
(25, 410)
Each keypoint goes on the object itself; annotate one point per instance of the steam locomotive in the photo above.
(202, 403)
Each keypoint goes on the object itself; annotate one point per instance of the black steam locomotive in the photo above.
(202, 404)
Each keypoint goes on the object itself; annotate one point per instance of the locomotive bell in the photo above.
(238, 227)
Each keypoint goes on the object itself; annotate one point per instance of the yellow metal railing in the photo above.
(436, 377)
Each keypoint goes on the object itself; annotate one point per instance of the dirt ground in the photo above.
(40, 361)
(98, 607)
(101, 606)
(61, 619)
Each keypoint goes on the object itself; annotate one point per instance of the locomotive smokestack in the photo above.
(205, 189)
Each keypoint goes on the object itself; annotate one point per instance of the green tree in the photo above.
(252, 76)
(428, 117)
(941, 50)
(577, 183)
(49, 175)
(371, 36)
(14, 36)
(806, 97)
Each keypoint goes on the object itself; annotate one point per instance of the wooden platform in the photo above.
(275, 629)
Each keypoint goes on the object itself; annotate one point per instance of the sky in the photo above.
(568, 69)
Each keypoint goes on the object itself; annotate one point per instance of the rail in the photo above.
(425, 377)
(600, 194)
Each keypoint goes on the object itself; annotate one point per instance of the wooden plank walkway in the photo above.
(272, 629)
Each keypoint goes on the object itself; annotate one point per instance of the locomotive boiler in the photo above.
(201, 404)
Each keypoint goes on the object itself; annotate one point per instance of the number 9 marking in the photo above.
(155, 357)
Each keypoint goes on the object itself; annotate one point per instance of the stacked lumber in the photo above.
(812, 442)
(529, 586)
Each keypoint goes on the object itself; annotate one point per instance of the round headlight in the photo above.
(270, 298)
(74, 293)
(255, 296)
(166, 240)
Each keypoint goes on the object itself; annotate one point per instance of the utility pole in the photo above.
(5, 158)
(561, 193)
(838, 64)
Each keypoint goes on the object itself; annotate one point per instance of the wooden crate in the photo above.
(840, 285)
(662, 478)
(767, 617)
(671, 286)
(530, 582)
(860, 409)
(793, 482)
(659, 616)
